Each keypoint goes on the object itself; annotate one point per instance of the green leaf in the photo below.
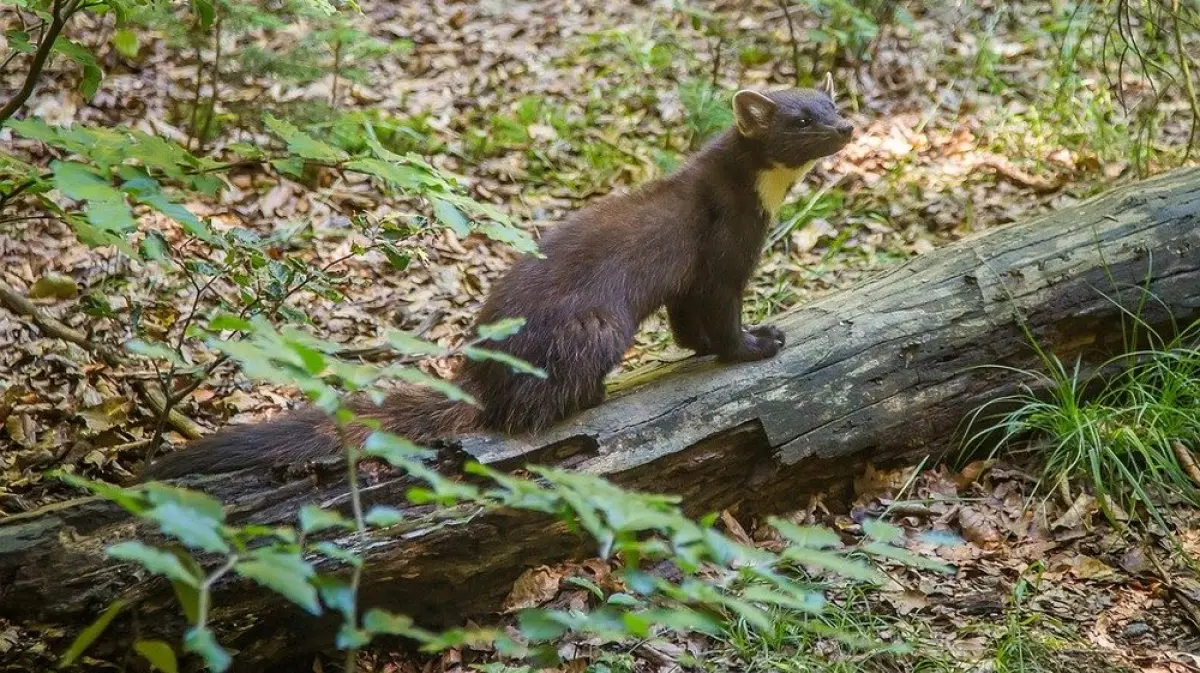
(159, 654)
(199, 640)
(189, 600)
(146, 190)
(153, 351)
(836, 563)
(350, 638)
(303, 144)
(18, 41)
(514, 363)
(510, 235)
(452, 217)
(130, 500)
(126, 42)
(190, 527)
(293, 166)
(205, 505)
(397, 451)
(54, 285)
(401, 176)
(397, 259)
(501, 329)
(815, 537)
(204, 11)
(89, 635)
(226, 321)
(333, 551)
(336, 594)
(408, 344)
(882, 531)
(540, 625)
(155, 247)
(35, 129)
(286, 574)
(805, 602)
(382, 516)
(382, 622)
(107, 208)
(92, 74)
(155, 560)
(623, 600)
(906, 557)
(314, 519)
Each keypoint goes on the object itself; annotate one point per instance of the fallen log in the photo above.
(885, 372)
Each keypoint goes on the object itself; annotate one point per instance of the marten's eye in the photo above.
(801, 122)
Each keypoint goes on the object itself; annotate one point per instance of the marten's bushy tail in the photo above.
(417, 413)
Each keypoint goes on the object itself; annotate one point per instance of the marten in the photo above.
(689, 241)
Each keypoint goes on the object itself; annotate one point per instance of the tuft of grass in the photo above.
(708, 110)
(1019, 647)
(845, 637)
(1129, 430)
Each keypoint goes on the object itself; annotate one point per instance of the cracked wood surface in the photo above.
(884, 372)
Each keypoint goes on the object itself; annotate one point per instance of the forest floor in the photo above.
(965, 121)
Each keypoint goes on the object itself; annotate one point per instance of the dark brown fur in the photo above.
(689, 241)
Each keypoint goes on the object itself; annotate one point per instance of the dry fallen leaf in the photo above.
(534, 587)
(735, 529)
(978, 528)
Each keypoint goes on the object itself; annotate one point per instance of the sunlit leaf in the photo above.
(158, 653)
(89, 634)
(126, 42)
(882, 531)
(314, 519)
(189, 527)
(153, 351)
(382, 516)
(92, 74)
(513, 363)
(451, 217)
(286, 574)
(156, 561)
(501, 329)
(202, 642)
(301, 143)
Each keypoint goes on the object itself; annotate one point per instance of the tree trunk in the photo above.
(886, 372)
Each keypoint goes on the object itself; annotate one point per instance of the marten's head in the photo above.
(793, 126)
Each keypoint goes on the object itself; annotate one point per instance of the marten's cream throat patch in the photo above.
(774, 184)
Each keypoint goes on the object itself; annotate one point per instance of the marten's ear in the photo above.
(828, 88)
(753, 113)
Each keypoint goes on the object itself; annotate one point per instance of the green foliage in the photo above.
(708, 110)
(158, 654)
(1122, 429)
(719, 578)
(89, 634)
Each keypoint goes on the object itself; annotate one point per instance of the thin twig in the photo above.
(337, 70)
(1188, 85)
(16, 191)
(214, 72)
(196, 94)
(718, 49)
(787, 14)
(59, 17)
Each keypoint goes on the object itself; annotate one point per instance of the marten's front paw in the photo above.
(770, 332)
(755, 347)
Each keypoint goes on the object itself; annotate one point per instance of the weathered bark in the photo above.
(885, 372)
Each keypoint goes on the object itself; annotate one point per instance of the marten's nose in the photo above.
(845, 129)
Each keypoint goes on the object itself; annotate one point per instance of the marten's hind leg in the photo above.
(581, 353)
